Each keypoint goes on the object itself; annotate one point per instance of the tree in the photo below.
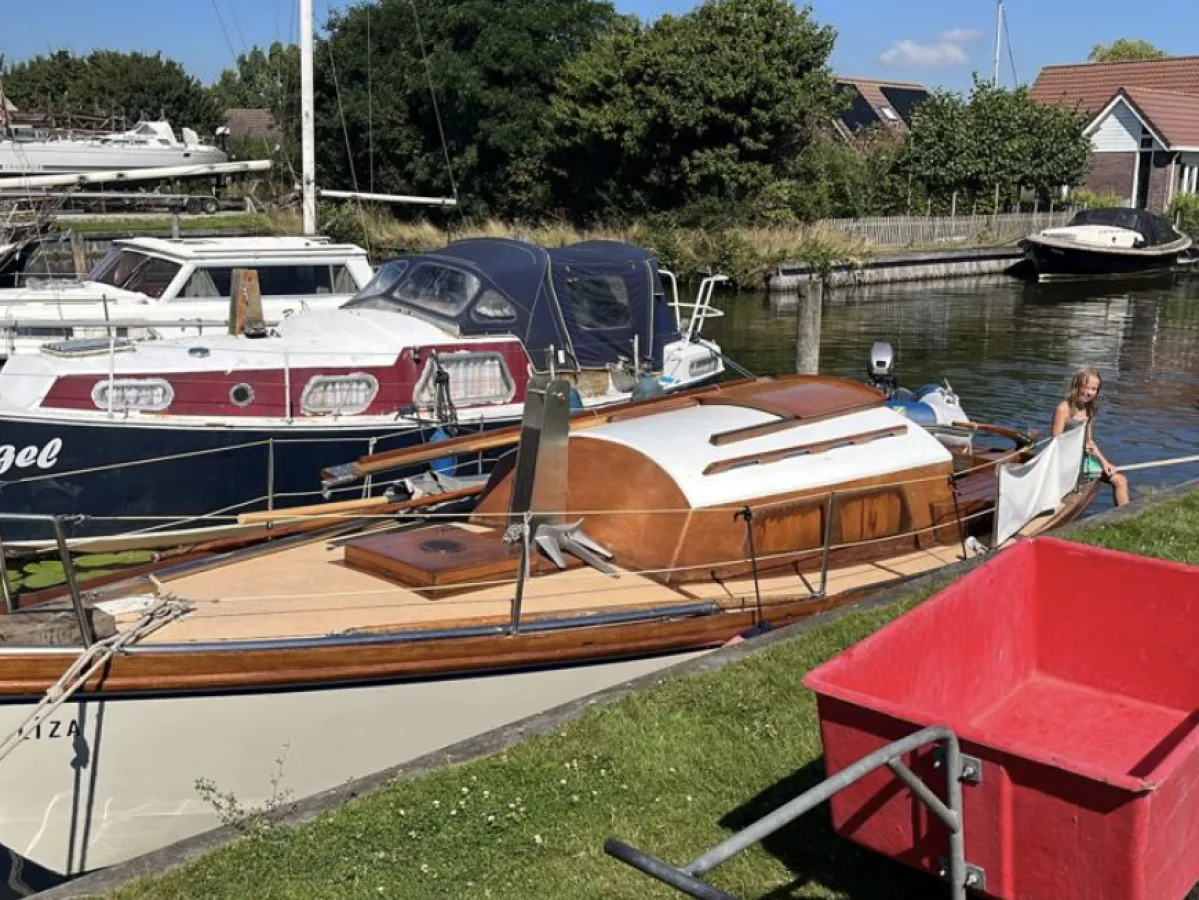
(267, 80)
(1125, 50)
(105, 82)
(262, 80)
(711, 104)
(995, 139)
(493, 65)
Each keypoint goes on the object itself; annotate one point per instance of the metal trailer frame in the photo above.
(958, 768)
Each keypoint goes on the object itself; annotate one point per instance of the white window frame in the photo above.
(106, 387)
(321, 380)
(424, 384)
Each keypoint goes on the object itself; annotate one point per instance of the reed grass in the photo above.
(745, 254)
(672, 770)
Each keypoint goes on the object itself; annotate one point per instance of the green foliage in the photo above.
(266, 79)
(1125, 50)
(713, 103)
(1089, 199)
(995, 139)
(1184, 210)
(493, 65)
(832, 179)
(105, 82)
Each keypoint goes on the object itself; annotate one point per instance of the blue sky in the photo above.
(937, 42)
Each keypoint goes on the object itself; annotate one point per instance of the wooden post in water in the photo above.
(245, 304)
(807, 328)
(78, 256)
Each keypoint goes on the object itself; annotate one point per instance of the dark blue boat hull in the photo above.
(121, 477)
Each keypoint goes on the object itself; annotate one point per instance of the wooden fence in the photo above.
(933, 231)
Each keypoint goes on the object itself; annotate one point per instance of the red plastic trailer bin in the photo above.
(1071, 674)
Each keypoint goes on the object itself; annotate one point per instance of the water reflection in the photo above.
(1008, 348)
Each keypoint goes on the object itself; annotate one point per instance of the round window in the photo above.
(241, 394)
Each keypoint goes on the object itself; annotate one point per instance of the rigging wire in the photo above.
(370, 126)
(345, 130)
(436, 109)
(1007, 35)
(225, 31)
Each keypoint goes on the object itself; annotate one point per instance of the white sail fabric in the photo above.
(1039, 485)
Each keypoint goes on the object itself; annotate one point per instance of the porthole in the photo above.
(241, 395)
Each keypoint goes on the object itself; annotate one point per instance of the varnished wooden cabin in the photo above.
(666, 488)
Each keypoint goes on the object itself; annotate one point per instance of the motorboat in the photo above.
(157, 288)
(670, 525)
(1106, 241)
(157, 442)
(25, 150)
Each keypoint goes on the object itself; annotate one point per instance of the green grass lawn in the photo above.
(673, 771)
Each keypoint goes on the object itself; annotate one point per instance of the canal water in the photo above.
(1008, 348)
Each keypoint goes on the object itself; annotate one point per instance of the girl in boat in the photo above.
(1078, 410)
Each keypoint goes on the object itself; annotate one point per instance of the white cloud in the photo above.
(909, 53)
(961, 35)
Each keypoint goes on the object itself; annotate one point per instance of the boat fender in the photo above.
(920, 413)
(576, 399)
(445, 465)
(646, 387)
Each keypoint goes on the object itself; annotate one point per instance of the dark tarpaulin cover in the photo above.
(1156, 230)
(544, 288)
(649, 319)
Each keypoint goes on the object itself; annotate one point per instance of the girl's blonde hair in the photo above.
(1080, 378)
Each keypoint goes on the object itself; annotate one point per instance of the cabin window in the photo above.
(144, 394)
(384, 279)
(475, 378)
(493, 307)
(339, 394)
(133, 271)
(600, 301)
(213, 282)
(437, 289)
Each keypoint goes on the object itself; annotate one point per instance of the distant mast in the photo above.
(998, 39)
(307, 135)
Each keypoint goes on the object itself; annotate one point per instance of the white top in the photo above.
(302, 248)
(679, 442)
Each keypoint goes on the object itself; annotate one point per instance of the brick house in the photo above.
(1144, 126)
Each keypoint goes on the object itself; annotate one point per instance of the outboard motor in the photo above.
(881, 369)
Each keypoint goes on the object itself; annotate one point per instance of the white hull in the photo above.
(105, 782)
(62, 157)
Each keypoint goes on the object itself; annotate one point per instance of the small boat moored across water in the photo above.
(1107, 241)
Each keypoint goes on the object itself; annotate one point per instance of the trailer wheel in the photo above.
(210, 204)
(193, 205)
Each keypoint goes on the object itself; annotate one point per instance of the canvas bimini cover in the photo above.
(590, 303)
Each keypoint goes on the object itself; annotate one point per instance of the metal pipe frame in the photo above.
(686, 879)
(86, 631)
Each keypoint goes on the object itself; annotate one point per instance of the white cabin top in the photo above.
(227, 248)
(680, 443)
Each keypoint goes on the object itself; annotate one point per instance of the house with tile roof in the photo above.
(1144, 126)
(874, 103)
(258, 124)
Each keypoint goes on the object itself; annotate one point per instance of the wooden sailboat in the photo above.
(668, 526)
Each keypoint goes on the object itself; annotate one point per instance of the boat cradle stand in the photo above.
(958, 769)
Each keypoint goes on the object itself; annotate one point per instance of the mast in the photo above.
(998, 38)
(307, 135)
